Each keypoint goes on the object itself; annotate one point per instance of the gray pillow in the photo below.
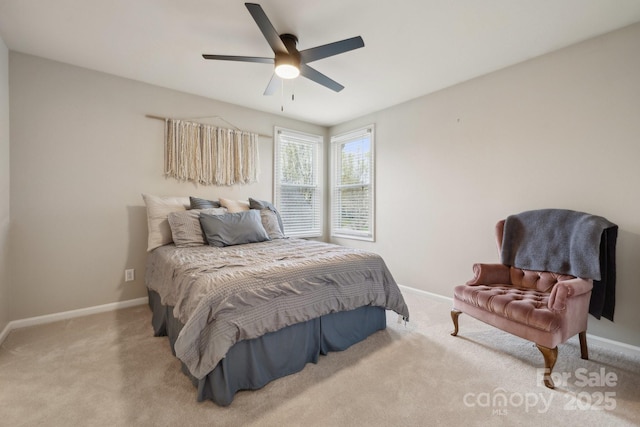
(263, 204)
(197, 203)
(233, 228)
(185, 226)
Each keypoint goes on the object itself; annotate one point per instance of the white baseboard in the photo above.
(54, 317)
(426, 293)
(600, 341)
(5, 332)
(614, 345)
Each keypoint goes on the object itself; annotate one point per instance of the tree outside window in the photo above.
(352, 185)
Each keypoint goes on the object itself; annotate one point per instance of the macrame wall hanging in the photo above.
(210, 155)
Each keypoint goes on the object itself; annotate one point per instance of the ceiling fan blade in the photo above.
(273, 85)
(270, 33)
(240, 58)
(331, 49)
(320, 78)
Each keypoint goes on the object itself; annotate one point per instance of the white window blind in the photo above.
(352, 184)
(298, 195)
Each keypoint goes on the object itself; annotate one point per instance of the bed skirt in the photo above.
(251, 364)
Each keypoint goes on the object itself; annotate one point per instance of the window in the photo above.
(298, 194)
(352, 191)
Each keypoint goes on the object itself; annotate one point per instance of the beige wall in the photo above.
(4, 185)
(559, 131)
(82, 152)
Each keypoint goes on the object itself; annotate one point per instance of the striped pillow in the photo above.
(270, 224)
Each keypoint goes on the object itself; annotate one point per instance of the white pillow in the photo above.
(234, 206)
(158, 210)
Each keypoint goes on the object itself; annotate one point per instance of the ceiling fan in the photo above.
(289, 61)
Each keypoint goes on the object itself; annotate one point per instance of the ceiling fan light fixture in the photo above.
(286, 68)
(287, 71)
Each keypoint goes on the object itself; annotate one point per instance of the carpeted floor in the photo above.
(109, 370)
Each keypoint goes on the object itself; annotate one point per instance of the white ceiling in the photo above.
(412, 47)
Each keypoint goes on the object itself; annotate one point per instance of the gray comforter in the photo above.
(225, 295)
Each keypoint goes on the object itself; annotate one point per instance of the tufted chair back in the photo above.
(541, 281)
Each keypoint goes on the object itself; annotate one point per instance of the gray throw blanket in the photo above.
(566, 242)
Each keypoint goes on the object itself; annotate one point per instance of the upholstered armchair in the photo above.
(539, 306)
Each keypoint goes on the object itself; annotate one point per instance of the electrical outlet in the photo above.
(129, 275)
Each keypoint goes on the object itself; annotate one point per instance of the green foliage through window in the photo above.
(352, 185)
(296, 182)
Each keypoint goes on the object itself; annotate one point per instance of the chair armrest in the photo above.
(489, 274)
(564, 290)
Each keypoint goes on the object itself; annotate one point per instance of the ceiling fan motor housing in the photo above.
(288, 63)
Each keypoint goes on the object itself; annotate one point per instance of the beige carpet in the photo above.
(108, 370)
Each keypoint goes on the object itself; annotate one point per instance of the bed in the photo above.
(239, 316)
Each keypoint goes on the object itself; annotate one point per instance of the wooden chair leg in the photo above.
(455, 313)
(584, 351)
(550, 356)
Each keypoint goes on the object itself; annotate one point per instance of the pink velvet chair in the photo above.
(539, 306)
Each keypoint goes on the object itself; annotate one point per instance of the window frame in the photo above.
(316, 229)
(337, 141)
